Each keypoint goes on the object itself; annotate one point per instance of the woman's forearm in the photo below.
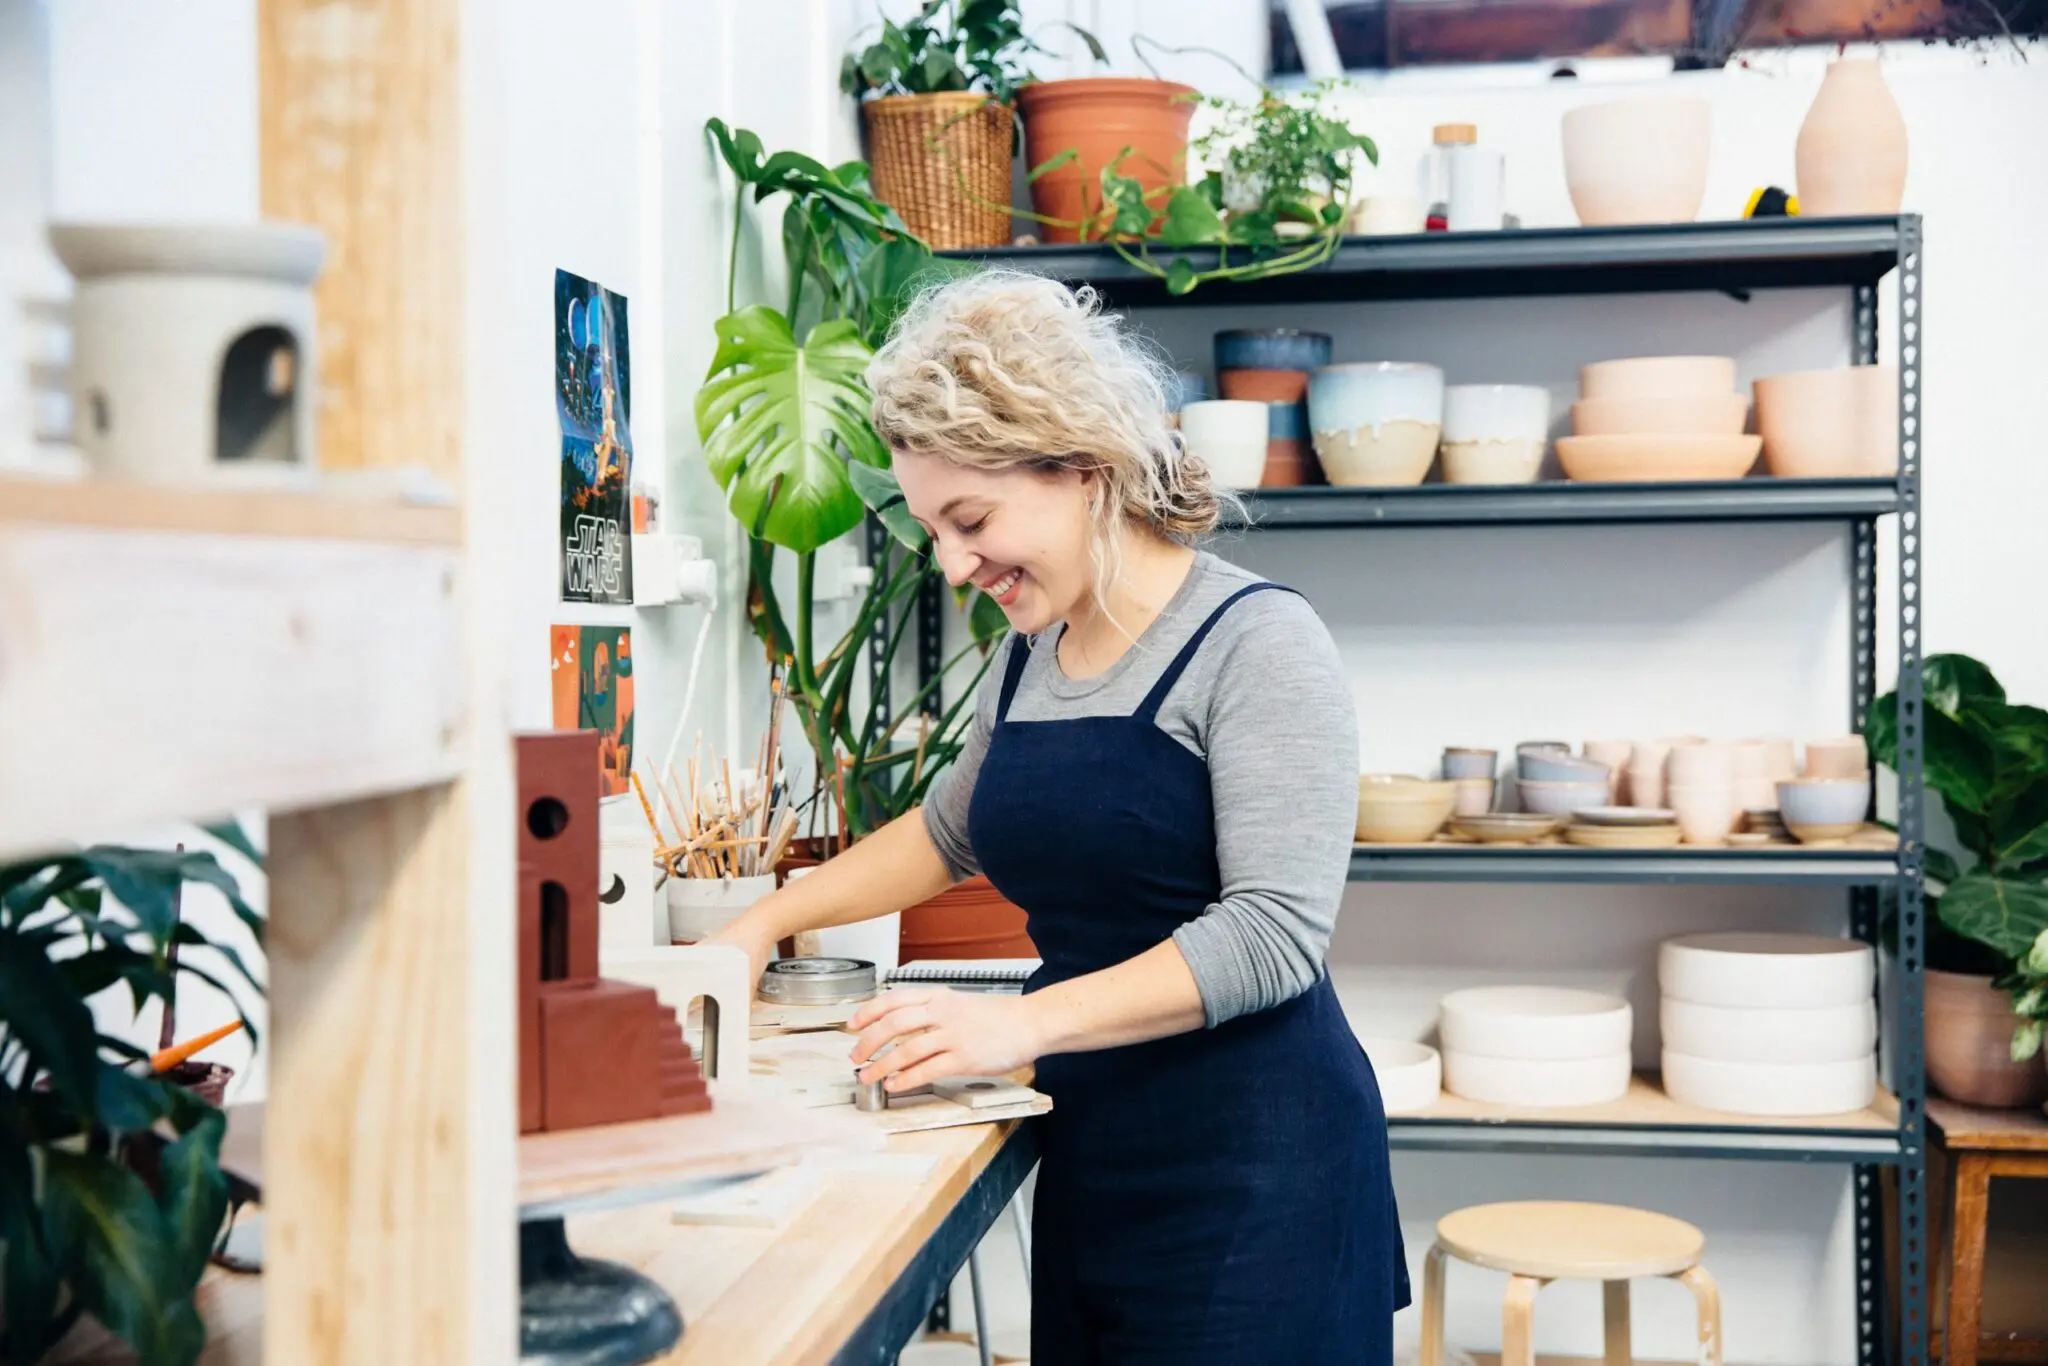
(1142, 998)
(895, 867)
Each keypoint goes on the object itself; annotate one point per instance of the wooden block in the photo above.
(558, 839)
(600, 1054)
(981, 1093)
(530, 1093)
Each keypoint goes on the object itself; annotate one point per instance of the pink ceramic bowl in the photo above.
(1671, 415)
(1656, 459)
(1822, 424)
(1699, 762)
(1842, 756)
(1641, 377)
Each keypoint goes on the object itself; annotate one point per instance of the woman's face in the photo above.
(1019, 535)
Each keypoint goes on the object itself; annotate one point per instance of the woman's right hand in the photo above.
(756, 940)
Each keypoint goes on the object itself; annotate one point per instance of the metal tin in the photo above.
(818, 981)
(869, 1095)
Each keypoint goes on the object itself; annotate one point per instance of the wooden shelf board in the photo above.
(117, 505)
(1647, 1106)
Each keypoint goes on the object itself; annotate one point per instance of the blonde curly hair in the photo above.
(1002, 369)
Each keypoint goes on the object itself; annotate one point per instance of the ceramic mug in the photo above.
(1698, 762)
(1470, 763)
(1706, 811)
(1229, 436)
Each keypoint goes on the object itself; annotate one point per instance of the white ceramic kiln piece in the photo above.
(680, 974)
(1411, 1075)
(1732, 1034)
(1748, 1088)
(1536, 1084)
(1544, 1023)
(1766, 971)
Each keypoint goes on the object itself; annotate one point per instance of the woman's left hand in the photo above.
(941, 1033)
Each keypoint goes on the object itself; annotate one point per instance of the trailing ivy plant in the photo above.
(81, 1232)
(783, 415)
(1987, 758)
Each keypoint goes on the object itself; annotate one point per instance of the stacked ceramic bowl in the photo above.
(1768, 1024)
(1472, 772)
(1832, 801)
(1397, 809)
(1410, 1074)
(1699, 786)
(1656, 419)
(1535, 1046)
(1552, 781)
(1377, 424)
(1822, 424)
(1623, 827)
(1272, 366)
(1495, 433)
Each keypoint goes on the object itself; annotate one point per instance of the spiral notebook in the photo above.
(980, 972)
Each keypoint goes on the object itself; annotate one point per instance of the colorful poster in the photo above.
(592, 672)
(594, 399)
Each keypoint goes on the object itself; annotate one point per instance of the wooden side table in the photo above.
(1981, 1144)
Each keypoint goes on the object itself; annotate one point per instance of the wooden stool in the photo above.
(1540, 1241)
(1983, 1144)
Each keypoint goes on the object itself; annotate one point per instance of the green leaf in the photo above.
(2026, 1040)
(939, 72)
(1052, 163)
(2006, 914)
(741, 150)
(985, 620)
(130, 1102)
(230, 833)
(1181, 276)
(104, 1224)
(38, 1006)
(1941, 865)
(1950, 682)
(880, 63)
(1191, 220)
(1959, 763)
(2019, 824)
(192, 1194)
(883, 496)
(780, 423)
(28, 1295)
(894, 273)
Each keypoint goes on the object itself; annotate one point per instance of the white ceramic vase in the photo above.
(1851, 155)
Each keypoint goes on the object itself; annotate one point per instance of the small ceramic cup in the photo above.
(1842, 756)
(1706, 811)
(1617, 755)
(1494, 433)
(1229, 436)
(1471, 763)
(1475, 796)
(1698, 762)
(1645, 784)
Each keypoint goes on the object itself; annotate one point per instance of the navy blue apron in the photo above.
(1218, 1197)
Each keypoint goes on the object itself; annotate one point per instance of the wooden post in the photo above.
(390, 1134)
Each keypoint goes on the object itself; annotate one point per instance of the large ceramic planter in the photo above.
(970, 919)
(1969, 1044)
(942, 161)
(1637, 161)
(1098, 118)
(1851, 155)
(1828, 423)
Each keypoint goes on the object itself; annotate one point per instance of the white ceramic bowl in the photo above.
(1637, 161)
(1410, 1074)
(1748, 1088)
(1766, 971)
(1835, 805)
(1229, 436)
(1536, 1084)
(1548, 1023)
(1658, 377)
(1820, 424)
(1733, 1034)
(1561, 799)
(1496, 412)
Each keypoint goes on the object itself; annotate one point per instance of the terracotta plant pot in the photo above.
(1101, 119)
(1821, 424)
(1969, 1044)
(970, 919)
(1851, 155)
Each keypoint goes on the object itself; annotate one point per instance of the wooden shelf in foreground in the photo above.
(1647, 1122)
(175, 654)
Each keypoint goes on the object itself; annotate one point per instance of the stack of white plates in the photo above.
(1768, 1024)
(1410, 1074)
(1535, 1046)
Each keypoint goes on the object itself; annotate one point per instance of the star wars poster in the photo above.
(594, 399)
(591, 670)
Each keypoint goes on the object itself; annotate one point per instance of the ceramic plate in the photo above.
(1510, 827)
(1623, 836)
(1656, 459)
(1624, 815)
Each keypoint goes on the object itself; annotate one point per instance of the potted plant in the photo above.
(1987, 939)
(786, 433)
(83, 1117)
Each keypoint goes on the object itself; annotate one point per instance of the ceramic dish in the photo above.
(1521, 1082)
(1625, 815)
(1506, 827)
(1552, 1024)
(1658, 377)
(1623, 836)
(1656, 459)
(1561, 799)
(1766, 971)
(1393, 809)
(1669, 415)
(1748, 1088)
(1410, 1074)
(1823, 808)
(1548, 766)
(1731, 1034)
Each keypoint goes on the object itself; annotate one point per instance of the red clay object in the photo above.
(1290, 463)
(1098, 117)
(1264, 386)
(970, 919)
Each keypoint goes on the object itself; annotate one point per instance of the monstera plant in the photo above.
(1987, 759)
(783, 416)
(82, 1230)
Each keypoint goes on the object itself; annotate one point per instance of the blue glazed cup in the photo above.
(1272, 348)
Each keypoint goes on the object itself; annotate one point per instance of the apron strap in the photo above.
(1148, 710)
(1020, 655)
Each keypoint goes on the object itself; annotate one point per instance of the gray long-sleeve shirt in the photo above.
(1265, 703)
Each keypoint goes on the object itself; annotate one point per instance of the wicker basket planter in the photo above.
(920, 150)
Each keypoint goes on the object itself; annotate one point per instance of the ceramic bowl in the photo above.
(1641, 377)
(1762, 971)
(1731, 1034)
(1706, 812)
(1540, 746)
(1841, 756)
(1670, 415)
(1626, 817)
(1272, 348)
(1475, 796)
(1656, 459)
(1388, 215)
(1410, 1074)
(1392, 455)
(1537, 1084)
(1264, 386)
(1470, 763)
(1541, 1023)
(1748, 1088)
(1496, 412)
(1561, 799)
(1819, 424)
(1823, 808)
(1506, 827)
(1493, 462)
(1637, 161)
(1394, 809)
(1551, 767)
(1229, 436)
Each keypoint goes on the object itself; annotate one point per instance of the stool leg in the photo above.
(1966, 1274)
(1432, 1353)
(1706, 1297)
(1518, 1322)
(1620, 1340)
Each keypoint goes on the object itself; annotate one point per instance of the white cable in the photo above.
(689, 693)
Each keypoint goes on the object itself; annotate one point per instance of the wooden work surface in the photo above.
(1965, 1128)
(311, 514)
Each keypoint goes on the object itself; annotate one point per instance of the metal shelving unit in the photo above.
(1733, 258)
